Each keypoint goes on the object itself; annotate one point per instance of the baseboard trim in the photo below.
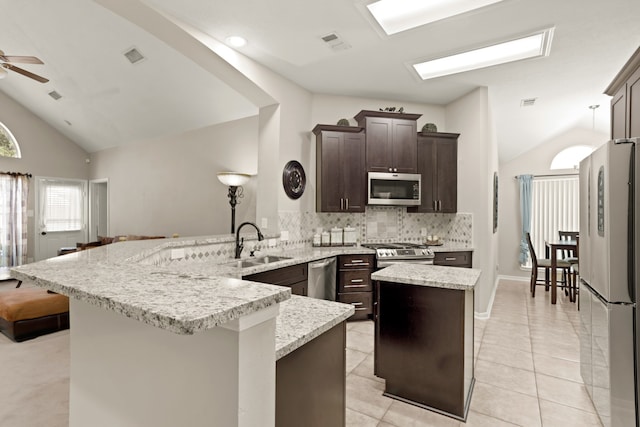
(514, 278)
(487, 314)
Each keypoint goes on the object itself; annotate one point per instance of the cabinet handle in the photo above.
(390, 169)
(450, 258)
(439, 205)
(395, 169)
(357, 303)
(355, 286)
(361, 264)
(347, 204)
(357, 280)
(435, 205)
(341, 204)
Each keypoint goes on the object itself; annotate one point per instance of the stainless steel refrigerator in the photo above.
(609, 231)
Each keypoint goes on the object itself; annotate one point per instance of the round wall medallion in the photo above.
(293, 179)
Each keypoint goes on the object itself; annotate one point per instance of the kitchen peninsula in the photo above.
(182, 343)
(424, 335)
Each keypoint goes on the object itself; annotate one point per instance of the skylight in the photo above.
(532, 46)
(395, 16)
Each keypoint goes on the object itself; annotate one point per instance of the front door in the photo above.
(61, 213)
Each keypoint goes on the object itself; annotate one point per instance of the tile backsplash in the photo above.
(379, 224)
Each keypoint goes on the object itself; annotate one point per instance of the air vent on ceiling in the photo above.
(528, 102)
(335, 42)
(55, 95)
(134, 55)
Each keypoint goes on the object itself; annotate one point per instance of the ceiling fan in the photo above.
(7, 64)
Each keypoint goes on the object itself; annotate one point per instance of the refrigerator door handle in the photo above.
(631, 215)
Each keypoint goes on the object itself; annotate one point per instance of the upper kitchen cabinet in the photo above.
(391, 140)
(438, 166)
(625, 104)
(340, 168)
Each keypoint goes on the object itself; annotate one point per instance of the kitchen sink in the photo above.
(255, 261)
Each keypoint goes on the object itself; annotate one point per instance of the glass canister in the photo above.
(325, 238)
(336, 236)
(349, 237)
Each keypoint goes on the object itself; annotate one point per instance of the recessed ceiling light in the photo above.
(395, 16)
(236, 41)
(532, 46)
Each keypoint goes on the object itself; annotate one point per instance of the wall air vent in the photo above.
(528, 102)
(133, 55)
(55, 95)
(335, 42)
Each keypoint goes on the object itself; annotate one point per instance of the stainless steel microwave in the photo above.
(393, 189)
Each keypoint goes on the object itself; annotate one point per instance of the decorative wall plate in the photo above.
(293, 179)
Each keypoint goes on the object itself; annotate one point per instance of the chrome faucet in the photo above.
(240, 241)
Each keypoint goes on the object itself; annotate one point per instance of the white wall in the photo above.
(535, 162)
(169, 185)
(477, 160)
(45, 152)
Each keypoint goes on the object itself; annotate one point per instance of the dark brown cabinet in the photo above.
(391, 141)
(354, 283)
(340, 169)
(438, 166)
(625, 104)
(295, 277)
(453, 259)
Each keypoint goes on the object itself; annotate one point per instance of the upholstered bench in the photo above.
(30, 312)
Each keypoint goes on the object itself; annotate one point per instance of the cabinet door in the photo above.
(404, 146)
(619, 114)
(351, 172)
(447, 175)
(328, 179)
(633, 103)
(379, 131)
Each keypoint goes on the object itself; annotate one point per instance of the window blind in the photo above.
(554, 207)
(61, 206)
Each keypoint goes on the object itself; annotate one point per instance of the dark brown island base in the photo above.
(424, 335)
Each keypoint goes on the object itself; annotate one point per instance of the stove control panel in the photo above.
(405, 253)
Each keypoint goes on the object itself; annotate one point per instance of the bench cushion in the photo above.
(31, 303)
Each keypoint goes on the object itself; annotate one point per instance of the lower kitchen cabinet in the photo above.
(311, 382)
(453, 259)
(354, 284)
(294, 276)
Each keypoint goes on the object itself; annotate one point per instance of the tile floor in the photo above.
(527, 372)
(527, 369)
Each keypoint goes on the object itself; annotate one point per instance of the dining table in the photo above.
(551, 248)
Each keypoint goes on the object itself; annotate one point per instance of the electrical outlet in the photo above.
(177, 253)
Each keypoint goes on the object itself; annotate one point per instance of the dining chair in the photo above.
(537, 263)
(571, 256)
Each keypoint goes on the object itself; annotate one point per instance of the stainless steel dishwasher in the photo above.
(322, 279)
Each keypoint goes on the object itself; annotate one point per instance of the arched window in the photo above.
(8, 144)
(570, 157)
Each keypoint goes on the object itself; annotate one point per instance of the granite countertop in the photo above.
(429, 275)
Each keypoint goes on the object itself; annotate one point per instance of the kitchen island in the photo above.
(184, 344)
(424, 335)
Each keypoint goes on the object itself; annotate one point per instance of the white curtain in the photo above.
(14, 191)
(554, 207)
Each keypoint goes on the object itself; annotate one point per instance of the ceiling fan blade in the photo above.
(21, 59)
(25, 73)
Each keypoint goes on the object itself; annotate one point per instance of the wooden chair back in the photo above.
(568, 235)
(532, 252)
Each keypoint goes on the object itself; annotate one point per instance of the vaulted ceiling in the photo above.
(107, 101)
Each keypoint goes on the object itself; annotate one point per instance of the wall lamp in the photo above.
(234, 181)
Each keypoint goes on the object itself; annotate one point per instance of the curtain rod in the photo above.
(28, 175)
(550, 176)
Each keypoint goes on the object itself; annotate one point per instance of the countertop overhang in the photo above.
(429, 275)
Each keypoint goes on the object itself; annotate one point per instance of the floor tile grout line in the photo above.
(535, 376)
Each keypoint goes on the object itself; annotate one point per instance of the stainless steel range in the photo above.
(394, 253)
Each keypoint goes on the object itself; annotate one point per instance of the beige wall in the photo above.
(477, 160)
(169, 185)
(535, 162)
(45, 152)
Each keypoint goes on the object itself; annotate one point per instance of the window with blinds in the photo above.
(61, 205)
(555, 207)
